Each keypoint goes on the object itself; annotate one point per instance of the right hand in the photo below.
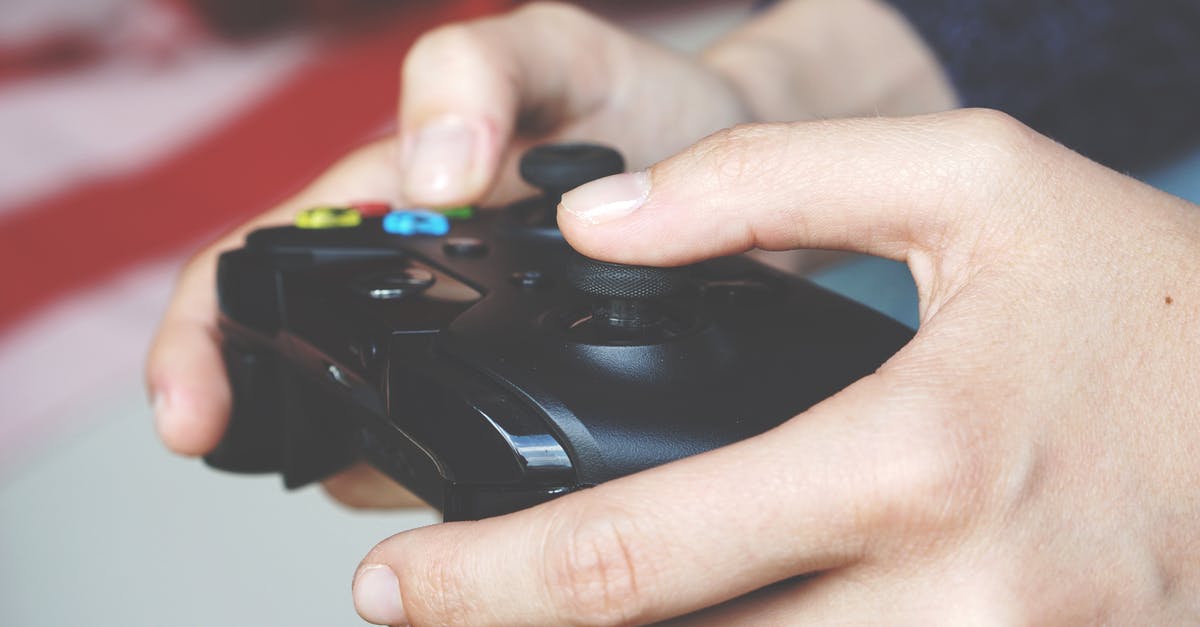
(475, 95)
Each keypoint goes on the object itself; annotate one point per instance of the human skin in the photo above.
(1028, 458)
(475, 95)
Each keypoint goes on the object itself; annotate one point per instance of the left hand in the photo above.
(1031, 457)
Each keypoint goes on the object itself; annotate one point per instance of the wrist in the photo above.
(831, 58)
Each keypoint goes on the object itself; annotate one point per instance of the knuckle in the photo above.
(933, 477)
(1008, 167)
(435, 590)
(448, 38)
(739, 154)
(552, 11)
(463, 55)
(923, 488)
(1007, 587)
(596, 570)
(470, 39)
(992, 126)
(999, 147)
(203, 261)
(948, 473)
(970, 182)
(455, 48)
(986, 596)
(443, 594)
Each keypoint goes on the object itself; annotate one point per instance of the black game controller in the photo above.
(494, 368)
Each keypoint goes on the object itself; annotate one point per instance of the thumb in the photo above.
(886, 187)
(833, 484)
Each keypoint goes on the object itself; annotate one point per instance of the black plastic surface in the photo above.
(477, 392)
(614, 280)
(562, 167)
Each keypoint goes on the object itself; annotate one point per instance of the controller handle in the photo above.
(559, 168)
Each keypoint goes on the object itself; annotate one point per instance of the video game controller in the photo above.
(483, 364)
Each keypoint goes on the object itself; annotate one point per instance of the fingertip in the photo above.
(448, 159)
(188, 389)
(607, 199)
(629, 218)
(595, 216)
(377, 599)
(188, 421)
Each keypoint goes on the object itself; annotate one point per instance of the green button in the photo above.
(328, 218)
(465, 212)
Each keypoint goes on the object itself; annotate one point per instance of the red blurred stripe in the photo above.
(87, 234)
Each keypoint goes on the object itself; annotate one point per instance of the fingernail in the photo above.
(439, 159)
(608, 198)
(377, 596)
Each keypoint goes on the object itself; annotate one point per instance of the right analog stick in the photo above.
(614, 280)
(626, 299)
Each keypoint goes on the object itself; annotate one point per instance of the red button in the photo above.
(372, 209)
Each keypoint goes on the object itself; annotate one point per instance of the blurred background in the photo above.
(131, 132)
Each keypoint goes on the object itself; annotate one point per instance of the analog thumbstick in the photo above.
(625, 296)
(558, 168)
(614, 280)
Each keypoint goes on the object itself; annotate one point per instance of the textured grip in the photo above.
(612, 280)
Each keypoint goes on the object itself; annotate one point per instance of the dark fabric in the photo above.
(1118, 80)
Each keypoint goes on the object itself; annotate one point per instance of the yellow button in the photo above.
(328, 218)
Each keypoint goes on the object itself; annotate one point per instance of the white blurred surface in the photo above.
(110, 529)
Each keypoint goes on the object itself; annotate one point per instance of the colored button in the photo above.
(372, 208)
(416, 223)
(465, 212)
(328, 218)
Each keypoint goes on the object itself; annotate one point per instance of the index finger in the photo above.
(804, 497)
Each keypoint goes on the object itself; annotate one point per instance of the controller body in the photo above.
(462, 366)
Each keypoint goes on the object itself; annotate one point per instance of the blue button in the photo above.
(416, 223)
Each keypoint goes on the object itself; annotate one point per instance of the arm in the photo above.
(1118, 81)
(832, 58)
